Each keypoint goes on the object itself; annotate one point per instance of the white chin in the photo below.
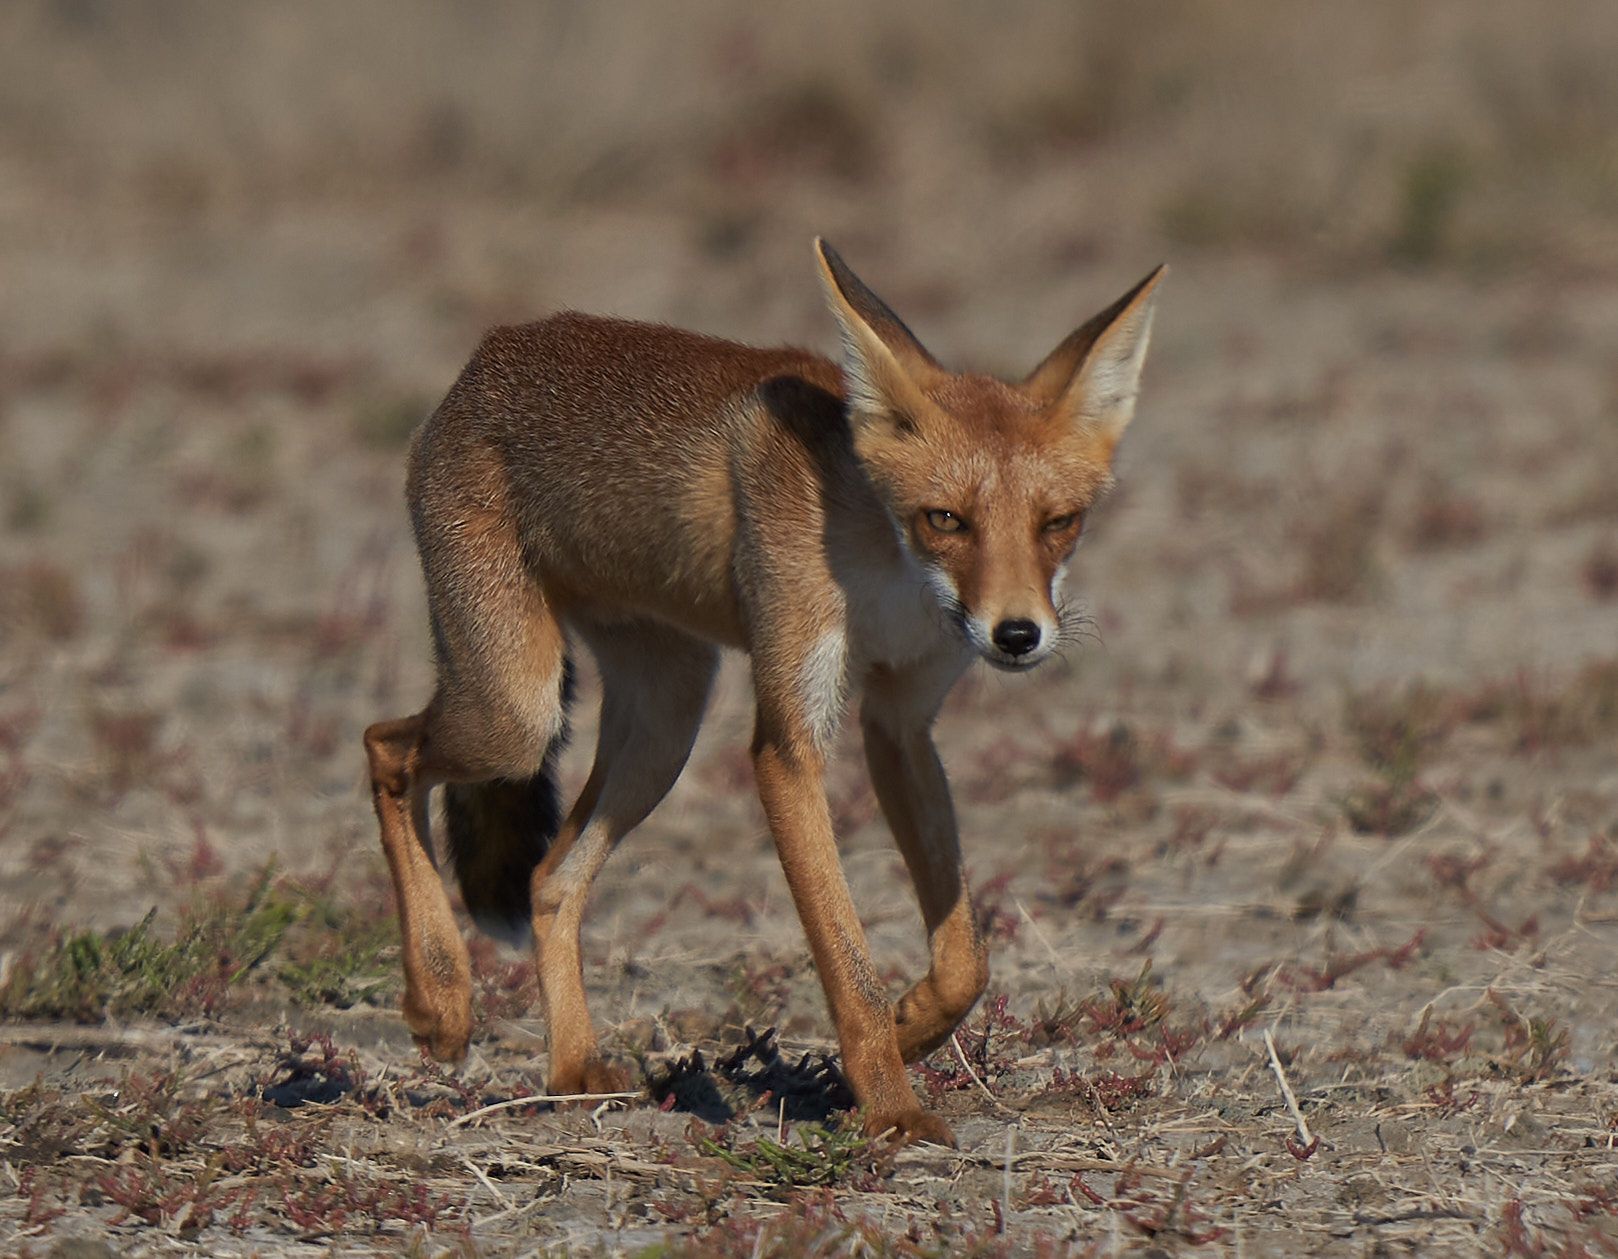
(1013, 664)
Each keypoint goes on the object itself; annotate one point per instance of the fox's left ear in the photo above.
(1093, 376)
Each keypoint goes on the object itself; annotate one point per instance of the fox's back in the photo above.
(613, 445)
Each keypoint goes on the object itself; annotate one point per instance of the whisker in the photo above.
(1074, 626)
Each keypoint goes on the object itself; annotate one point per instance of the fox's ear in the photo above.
(886, 367)
(1093, 376)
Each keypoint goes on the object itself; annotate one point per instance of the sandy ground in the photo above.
(1338, 766)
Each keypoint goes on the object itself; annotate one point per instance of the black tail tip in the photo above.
(498, 832)
(515, 930)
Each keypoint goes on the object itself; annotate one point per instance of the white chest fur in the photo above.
(895, 616)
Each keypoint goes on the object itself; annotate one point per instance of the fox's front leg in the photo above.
(896, 719)
(789, 764)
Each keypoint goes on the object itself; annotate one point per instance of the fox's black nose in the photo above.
(1016, 638)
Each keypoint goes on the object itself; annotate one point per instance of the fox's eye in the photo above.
(1061, 524)
(945, 521)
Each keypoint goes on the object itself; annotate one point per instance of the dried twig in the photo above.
(535, 1099)
(1047, 1160)
(976, 1079)
(1305, 1137)
(49, 1037)
(1005, 1178)
(488, 1184)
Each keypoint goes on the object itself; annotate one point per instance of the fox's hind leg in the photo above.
(438, 976)
(896, 717)
(496, 714)
(655, 684)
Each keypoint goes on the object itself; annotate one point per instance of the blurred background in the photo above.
(245, 248)
(244, 168)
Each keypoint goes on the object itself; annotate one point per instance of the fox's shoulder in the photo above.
(626, 355)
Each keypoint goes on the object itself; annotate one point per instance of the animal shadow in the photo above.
(752, 1075)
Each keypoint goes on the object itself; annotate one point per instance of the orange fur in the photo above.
(864, 527)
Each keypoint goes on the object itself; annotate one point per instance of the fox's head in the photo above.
(988, 482)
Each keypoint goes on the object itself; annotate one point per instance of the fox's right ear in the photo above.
(885, 366)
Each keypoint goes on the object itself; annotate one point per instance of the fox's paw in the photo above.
(909, 1126)
(594, 1075)
(443, 1032)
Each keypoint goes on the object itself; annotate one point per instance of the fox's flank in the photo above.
(864, 527)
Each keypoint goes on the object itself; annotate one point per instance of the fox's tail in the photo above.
(498, 831)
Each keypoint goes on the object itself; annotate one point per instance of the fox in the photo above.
(869, 525)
